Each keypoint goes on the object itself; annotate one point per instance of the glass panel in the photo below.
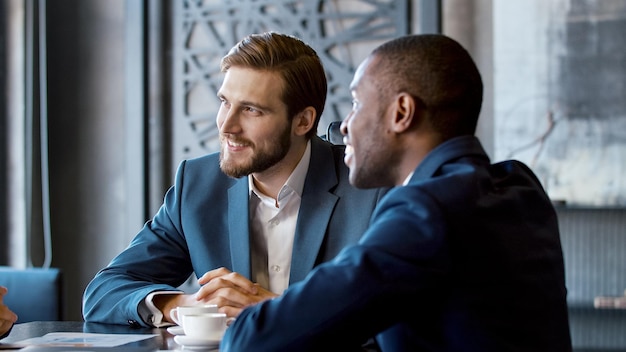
(342, 32)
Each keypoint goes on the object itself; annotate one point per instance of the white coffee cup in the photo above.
(177, 313)
(210, 326)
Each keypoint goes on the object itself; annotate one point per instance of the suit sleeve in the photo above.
(345, 301)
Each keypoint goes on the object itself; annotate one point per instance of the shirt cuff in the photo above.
(155, 317)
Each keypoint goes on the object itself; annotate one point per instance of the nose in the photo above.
(344, 125)
(227, 120)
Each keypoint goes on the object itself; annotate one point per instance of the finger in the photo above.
(231, 312)
(215, 273)
(225, 306)
(234, 277)
(242, 282)
(209, 290)
(206, 291)
(217, 280)
(232, 297)
(7, 315)
(224, 301)
(5, 324)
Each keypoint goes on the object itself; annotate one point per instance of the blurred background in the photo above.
(103, 98)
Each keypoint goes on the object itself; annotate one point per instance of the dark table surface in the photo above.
(162, 341)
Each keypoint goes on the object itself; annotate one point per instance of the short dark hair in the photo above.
(296, 62)
(437, 71)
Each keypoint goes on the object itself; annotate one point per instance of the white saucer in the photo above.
(176, 330)
(189, 342)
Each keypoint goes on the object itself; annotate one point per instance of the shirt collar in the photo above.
(295, 180)
(408, 178)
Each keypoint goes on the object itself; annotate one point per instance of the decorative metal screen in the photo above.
(342, 31)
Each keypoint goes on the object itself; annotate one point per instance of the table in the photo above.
(163, 341)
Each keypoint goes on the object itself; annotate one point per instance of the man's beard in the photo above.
(261, 160)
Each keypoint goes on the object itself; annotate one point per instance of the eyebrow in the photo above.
(248, 103)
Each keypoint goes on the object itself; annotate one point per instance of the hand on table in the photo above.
(230, 291)
(7, 317)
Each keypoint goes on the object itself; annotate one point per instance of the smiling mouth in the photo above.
(348, 155)
(235, 144)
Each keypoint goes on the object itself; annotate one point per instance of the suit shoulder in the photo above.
(204, 159)
(202, 166)
(338, 152)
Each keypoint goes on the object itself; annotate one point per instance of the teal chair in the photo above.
(35, 294)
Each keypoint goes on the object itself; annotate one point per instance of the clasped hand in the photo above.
(230, 291)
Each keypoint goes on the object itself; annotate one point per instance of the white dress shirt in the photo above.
(273, 228)
(408, 178)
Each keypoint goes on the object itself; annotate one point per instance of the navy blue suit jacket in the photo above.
(466, 257)
(203, 225)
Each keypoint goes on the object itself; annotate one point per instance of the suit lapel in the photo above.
(315, 210)
(238, 227)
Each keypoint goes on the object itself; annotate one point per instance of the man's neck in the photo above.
(270, 181)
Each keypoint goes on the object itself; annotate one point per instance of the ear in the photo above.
(303, 122)
(404, 113)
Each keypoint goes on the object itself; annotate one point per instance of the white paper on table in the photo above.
(81, 339)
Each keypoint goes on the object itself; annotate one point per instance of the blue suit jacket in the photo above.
(466, 257)
(203, 225)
